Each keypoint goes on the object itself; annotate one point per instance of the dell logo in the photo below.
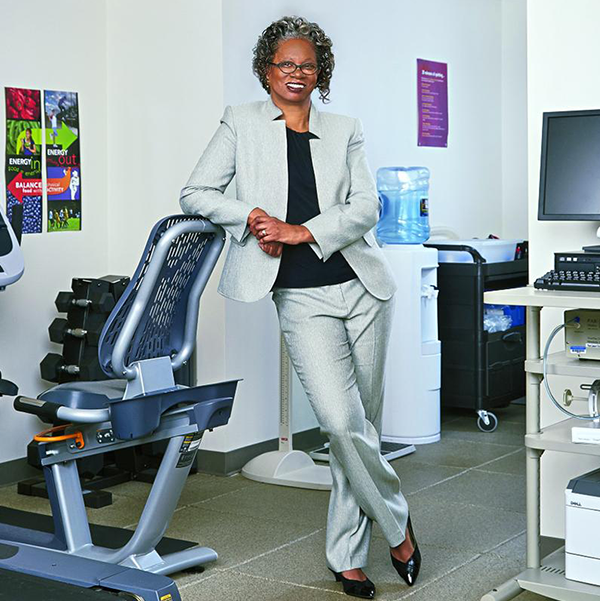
(576, 503)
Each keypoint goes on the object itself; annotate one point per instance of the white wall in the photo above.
(71, 58)
(514, 119)
(561, 38)
(165, 97)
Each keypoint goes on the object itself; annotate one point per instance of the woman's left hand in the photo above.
(271, 229)
(273, 249)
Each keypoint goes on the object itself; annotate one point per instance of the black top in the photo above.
(300, 267)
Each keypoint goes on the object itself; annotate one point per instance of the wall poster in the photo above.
(23, 168)
(432, 103)
(63, 161)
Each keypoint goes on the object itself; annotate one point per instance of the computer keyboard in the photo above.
(586, 281)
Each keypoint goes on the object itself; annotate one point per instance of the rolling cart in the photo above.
(480, 370)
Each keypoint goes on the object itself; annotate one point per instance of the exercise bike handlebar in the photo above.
(52, 411)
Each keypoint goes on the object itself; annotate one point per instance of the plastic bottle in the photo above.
(404, 196)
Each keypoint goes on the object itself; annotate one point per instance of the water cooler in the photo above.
(411, 411)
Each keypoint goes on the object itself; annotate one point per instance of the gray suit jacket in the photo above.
(251, 144)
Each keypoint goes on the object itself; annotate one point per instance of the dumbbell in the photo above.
(103, 303)
(59, 328)
(7, 387)
(53, 365)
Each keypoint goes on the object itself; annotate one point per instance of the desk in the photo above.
(545, 576)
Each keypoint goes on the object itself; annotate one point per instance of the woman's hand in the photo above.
(256, 212)
(273, 249)
(271, 229)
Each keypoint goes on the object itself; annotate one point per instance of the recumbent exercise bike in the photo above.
(148, 336)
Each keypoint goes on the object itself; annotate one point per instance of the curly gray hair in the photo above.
(291, 28)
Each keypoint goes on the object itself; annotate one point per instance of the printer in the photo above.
(582, 530)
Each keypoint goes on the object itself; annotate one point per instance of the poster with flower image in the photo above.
(63, 161)
(23, 167)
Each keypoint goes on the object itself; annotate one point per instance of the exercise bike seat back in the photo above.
(150, 334)
(162, 298)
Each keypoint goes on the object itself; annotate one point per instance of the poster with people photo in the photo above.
(63, 161)
(23, 168)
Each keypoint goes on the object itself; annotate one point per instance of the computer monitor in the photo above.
(570, 167)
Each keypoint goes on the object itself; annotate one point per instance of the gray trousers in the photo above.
(337, 338)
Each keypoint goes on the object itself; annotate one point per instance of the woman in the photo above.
(28, 147)
(300, 227)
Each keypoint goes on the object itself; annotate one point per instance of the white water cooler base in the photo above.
(413, 424)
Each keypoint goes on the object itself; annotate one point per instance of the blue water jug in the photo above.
(404, 196)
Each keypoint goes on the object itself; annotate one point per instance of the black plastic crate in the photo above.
(480, 370)
(500, 377)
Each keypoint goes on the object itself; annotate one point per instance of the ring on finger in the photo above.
(264, 233)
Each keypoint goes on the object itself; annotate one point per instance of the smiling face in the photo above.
(292, 88)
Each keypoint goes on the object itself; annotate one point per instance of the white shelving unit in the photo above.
(545, 576)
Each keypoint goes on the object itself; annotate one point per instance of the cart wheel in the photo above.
(490, 426)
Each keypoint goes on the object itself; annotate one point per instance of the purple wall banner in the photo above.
(432, 103)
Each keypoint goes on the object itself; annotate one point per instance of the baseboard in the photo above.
(225, 464)
(16, 470)
(211, 462)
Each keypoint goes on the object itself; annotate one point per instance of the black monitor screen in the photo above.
(570, 168)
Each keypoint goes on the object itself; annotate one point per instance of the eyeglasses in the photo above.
(288, 67)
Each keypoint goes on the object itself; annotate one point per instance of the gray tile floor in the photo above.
(466, 496)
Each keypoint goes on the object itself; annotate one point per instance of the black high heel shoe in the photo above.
(364, 589)
(409, 570)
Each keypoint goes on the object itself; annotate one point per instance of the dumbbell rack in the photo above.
(87, 307)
